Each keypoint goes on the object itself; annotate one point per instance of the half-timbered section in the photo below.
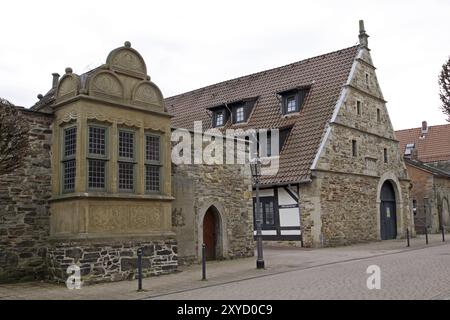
(338, 156)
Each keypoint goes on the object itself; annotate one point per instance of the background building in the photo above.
(427, 156)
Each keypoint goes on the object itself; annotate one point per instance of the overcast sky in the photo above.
(190, 44)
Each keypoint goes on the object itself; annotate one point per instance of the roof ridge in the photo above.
(259, 72)
(418, 128)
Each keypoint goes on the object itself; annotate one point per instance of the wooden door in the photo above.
(209, 235)
(388, 214)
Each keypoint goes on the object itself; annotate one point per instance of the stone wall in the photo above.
(111, 259)
(422, 194)
(228, 188)
(441, 211)
(24, 214)
(341, 205)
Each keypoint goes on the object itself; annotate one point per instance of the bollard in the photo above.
(407, 237)
(203, 261)
(443, 233)
(301, 238)
(426, 235)
(139, 254)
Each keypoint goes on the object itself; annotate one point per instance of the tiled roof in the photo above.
(431, 146)
(429, 168)
(326, 74)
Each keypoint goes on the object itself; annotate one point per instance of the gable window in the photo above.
(152, 163)
(69, 158)
(354, 148)
(385, 155)
(378, 115)
(367, 79)
(358, 108)
(97, 157)
(126, 160)
(266, 210)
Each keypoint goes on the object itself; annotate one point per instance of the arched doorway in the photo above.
(211, 233)
(388, 214)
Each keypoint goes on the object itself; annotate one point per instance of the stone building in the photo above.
(97, 184)
(341, 177)
(426, 150)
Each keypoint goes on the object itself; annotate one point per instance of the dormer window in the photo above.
(219, 119)
(292, 100)
(291, 104)
(240, 114)
(409, 149)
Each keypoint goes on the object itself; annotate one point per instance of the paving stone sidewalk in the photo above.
(278, 260)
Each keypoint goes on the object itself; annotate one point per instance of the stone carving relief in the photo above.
(127, 59)
(106, 83)
(146, 92)
(67, 87)
(92, 115)
(123, 219)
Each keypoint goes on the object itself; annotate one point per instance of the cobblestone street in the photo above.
(417, 272)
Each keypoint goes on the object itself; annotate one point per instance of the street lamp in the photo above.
(255, 167)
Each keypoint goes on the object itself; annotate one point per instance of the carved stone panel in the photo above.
(125, 218)
(147, 93)
(68, 87)
(106, 83)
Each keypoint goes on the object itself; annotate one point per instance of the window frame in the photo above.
(153, 163)
(238, 107)
(286, 106)
(64, 158)
(358, 107)
(263, 201)
(354, 148)
(90, 156)
(127, 160)
(216, 113)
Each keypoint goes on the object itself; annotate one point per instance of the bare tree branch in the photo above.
(444, 84)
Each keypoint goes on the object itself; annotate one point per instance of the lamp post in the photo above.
(255, 167)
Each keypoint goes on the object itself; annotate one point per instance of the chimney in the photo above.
(363, 36)
(424, 127)
(55, 80)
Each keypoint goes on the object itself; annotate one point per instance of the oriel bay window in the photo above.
(97, 157)
(126, 165)
(152, 163)
(68, 158)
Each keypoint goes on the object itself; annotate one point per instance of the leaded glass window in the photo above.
(126, 144)
(96, 174)
(152, 178)
(152, 163)
(97, 157)
(70, 141)
(126, 160)
(152, 148)
(97, 140)
(69, 170)
(126, 176)
(68, 158)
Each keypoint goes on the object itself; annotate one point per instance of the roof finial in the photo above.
(363, 36)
